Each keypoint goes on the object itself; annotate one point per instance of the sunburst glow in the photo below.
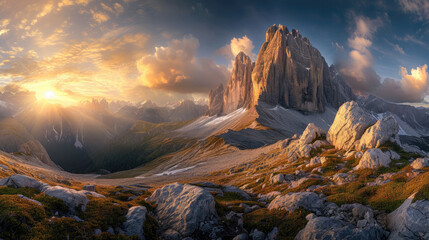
(49, 95)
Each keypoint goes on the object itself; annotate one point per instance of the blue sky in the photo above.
(122, 49)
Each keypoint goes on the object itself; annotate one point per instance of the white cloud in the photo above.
(237, 45)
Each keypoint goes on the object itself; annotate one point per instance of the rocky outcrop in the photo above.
(330, 228)
(311, 133)
(385, 129)
(136, 216)
(349, 125)
(295, 148)
(238, 91)
(34, 148)
(410, 220)
(184, 208)
(374, 158)
(21, 181)
(420, 163)
(72, 198)
(216, 100)
(292, 201)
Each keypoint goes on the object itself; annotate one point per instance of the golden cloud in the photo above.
(176, 68)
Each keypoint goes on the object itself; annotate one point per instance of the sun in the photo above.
(49, 95)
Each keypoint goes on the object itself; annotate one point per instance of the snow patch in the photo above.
(173, 170)
(77, 143)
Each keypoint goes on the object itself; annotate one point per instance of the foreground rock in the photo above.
(311, 133)
(349, 125)
(21, 181)
(292, 201)
(136, 217)
(71, 197)
(383, 130)
(420, 163)
(374, 158)
(296, 148)
(329, 228)
(184, 208)
(410, 220)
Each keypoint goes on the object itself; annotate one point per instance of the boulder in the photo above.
(292, 201)
(89, 188)
(385, 129)
(257, 235)
(29, 199)
(20, 181)
(233, 189)
(136, 216)
(410, 220)
(373, 158)
(310, 133)
(381, 180)
(242, 236)
(334, 229)
(349, 125)
(278, 178)
(341, 178)
(71, 197)
(183, 208)
(316, 160)
(420, 163)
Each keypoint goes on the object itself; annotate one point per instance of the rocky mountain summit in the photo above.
(288, 72)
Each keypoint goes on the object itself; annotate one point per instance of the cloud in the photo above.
(412, 87)
(410, 38)
(176, 68)
(237, 45)
(397, 48)
(357, 66)
(99, 17)
(420, 8)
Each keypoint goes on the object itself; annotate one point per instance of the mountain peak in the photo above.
(288, 71)
(273, 29)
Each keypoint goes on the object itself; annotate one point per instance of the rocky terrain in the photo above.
(352, 183)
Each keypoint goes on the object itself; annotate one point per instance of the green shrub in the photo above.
(102, 213)
(26, 191)
(17, 216)
(52, 204)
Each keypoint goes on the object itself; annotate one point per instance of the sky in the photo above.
(164, 51)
